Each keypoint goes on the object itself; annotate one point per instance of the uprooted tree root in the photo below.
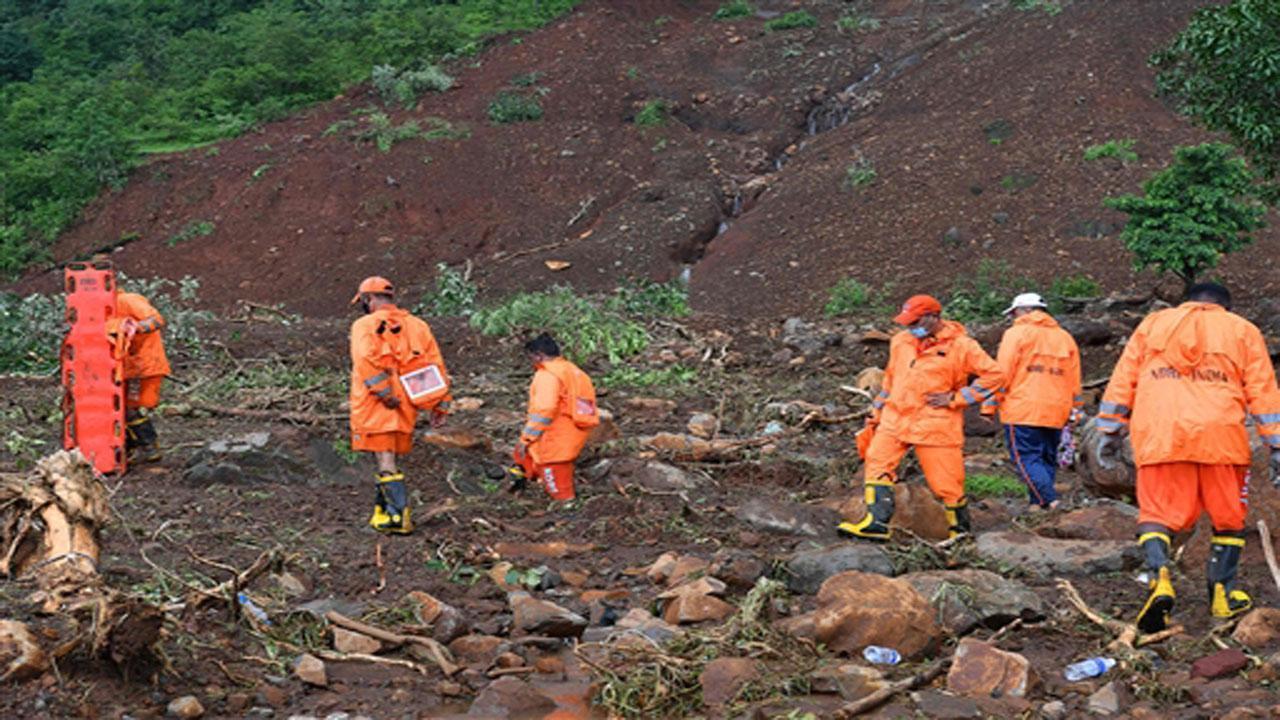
(641, 678)
(49, 525)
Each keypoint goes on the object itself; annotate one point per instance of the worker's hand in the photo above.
(391, 401)
(938, 399)
(1108, 446)
(438, 419)
(130, 328)
(1275, 467)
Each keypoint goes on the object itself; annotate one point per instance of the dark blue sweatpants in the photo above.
(1034, 454)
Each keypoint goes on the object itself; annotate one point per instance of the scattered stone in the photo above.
(788, 518)
(1047, 557)
(549, 666)
(809, 569)
(686, 609)
(426, 608)
(1106, 701)
(1053, 710)
(686, 567)
(661, 568)
(508, 660)
(638, 621)
(654, 475)
(723, 678)
(967, 598)
(468, 404)
(849, 681)
(310, 670)
(21, 657)
(186, 706)
(541, 617)
(291, 583)
(1108, 520)
(858, 609)
(739, 570)
(1223, 662)
(236, 703)
(541, 551)
(650, 405)
(703, 425)
(449, 624)
(511, 697)
(476, 650)
(980, 669)
(574, 578)
(705, 585)
(938, 705)
(1259, 628)
(449, 688)
(346, 641)
(871, 379)
(591, 596)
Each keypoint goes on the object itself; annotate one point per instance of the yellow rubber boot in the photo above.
(1154, 616)
(1224, 557)
(875, 524)
(958, 522)
(391, 513)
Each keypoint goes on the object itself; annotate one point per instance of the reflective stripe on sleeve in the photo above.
(1267, 418)
(1110, 408)
(383, 393)
(1106, 424)
(376, 379)
(536, 418)
(969, 397)
(1272, 440)
(530, 430)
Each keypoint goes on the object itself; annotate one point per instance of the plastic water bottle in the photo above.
(881, 655)
(252, 608)
(1093, 667)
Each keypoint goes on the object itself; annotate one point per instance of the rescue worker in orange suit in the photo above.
(1041, 366)
(1181, 389)
(551, 439)
(145, 368)
(926, 389)
(382, 416)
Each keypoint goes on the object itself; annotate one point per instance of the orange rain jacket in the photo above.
(374, 370)
(1041, 366)
(145, 356)
(550, 432)
(942, 363)
(1185, 380)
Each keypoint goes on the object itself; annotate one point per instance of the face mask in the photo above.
(918, 333)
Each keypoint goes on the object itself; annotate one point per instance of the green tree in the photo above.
(1193, 212)
(1224, 71)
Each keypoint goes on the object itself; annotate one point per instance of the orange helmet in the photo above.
(374, 284)
(916, 307)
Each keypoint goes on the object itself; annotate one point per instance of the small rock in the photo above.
(449, 688)
(850, 681)
(687, 566)
(938, 705)
(310, 669)
(1106, 701)
(1259, 628)
(686, 609)
(966, 598)
(1223, 662)
(542, 551)
(809, 569)
(456, 439)
(1108, 520)
(237, 702)
(511, 697)
(703, 425)
(186, 706)
(476, 650)
(661, 568)
(638, 621)
(723, 678)
(1053, 710)
(346, 641)
(654, 475)
(549, 666)
(541, 617)
(870, 379)
(426, 608)
(983, 670)
(449, 624)
(508, 660)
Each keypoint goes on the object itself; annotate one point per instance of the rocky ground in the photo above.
(697, 575)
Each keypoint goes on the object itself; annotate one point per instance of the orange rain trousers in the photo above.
(398, 442)
(142, 392)
(555, 478)
(1174, 494)
(943, 465)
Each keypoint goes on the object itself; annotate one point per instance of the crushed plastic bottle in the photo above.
(881, 655)
(1085, 669)
(252, 608)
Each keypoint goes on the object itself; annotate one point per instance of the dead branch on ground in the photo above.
(439, 654)
(1127, 636)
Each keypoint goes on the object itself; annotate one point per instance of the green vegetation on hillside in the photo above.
(86, 86)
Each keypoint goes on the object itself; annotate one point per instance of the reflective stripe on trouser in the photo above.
(1175, 494)
(943, 466)
(1034, 454)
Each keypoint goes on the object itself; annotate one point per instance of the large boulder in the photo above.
(541, 617)
(808, 569)
(788, 518)
(980, 669)
(967, 598)
(915, 510)
(1107, 520)
(1047, 557)
(857, 609)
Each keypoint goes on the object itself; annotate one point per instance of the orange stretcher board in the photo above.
(92, 369)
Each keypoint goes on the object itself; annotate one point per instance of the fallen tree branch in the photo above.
(336, 656)
(439, 654)
(878, 697)
(229, 588)
(1127, 637)
(1269, 550)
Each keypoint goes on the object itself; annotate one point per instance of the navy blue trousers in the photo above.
(1034, 454)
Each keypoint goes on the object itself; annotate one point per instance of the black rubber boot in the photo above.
(1224, 557)
(141, 441)
(958, 518)
(391, 513)
(875, 524)
(1154, 616)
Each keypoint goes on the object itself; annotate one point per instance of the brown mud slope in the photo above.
(303, 205)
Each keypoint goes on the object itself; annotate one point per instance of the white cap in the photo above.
(1026, 300)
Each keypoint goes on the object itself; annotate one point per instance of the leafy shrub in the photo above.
(847, 297)
(509, 107)
(791, 21)
(527, 79)
(1075, 286)
(983, 295)
(1193, 212)
(854, 21)
(654, 112)
(585, 329)
(454, 294)
(193, 229)
(406, 86)
(859, 173)
(1121, 150)
(631, 377)
(645, 299)
(982, 485)
(734, 9)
